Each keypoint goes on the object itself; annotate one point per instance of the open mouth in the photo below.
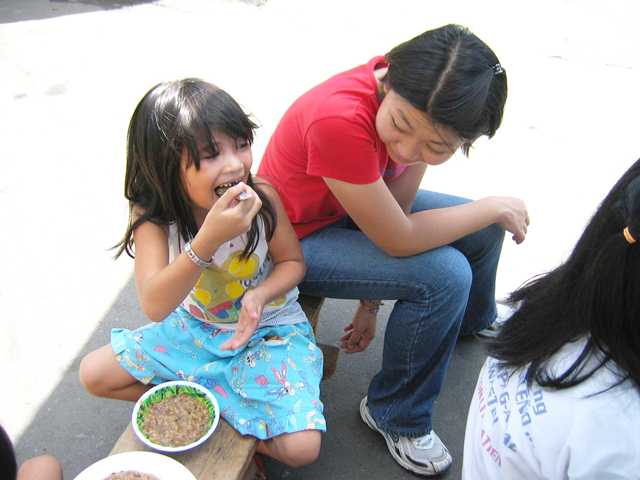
(223, 187)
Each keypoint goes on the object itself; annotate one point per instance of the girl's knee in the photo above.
(44, 467)
(88, 375)
(300, 448)
(436, 269)
(456, 277)
(94, 369)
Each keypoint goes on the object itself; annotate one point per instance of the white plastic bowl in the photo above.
(181, 448)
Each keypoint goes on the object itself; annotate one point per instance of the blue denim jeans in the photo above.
(440, 294)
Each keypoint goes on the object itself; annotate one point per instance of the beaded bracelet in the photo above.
(193, 256)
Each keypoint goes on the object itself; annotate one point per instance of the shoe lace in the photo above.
(425, 442)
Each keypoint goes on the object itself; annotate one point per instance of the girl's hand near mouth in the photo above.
(230, 216)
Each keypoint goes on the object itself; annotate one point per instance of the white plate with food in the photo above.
(175, 416)
(136, 466)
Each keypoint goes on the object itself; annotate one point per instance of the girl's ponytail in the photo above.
(624, 347)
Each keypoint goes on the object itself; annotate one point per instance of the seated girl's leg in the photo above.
(102, 376)
(270, 389)
(136, 360)
(432, 289)
(294, 449)
(44, 467)
(482, 249)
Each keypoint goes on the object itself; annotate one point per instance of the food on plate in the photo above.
(131, 475)
(175, 416)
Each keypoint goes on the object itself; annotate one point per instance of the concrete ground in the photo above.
(71, 74)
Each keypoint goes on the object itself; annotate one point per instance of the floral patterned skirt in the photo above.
(269, 387)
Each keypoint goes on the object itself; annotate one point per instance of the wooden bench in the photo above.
(228, 455)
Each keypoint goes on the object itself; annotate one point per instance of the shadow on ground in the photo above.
(71, 425)
(42, 9)
(79, 429)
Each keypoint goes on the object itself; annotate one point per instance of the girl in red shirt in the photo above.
(348, 158)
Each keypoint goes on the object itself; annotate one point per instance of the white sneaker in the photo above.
(503, 313)
(425, 455)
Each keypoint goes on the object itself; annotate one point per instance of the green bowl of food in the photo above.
(175, 416)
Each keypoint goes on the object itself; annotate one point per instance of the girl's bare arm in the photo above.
(404, 187)
(375, 210)
(285, 252)
(288, 270)
(162, 285)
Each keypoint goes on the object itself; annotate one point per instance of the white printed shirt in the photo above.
(515, 432)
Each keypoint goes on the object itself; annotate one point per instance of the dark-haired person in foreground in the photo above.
(348, 158)
(559, 396)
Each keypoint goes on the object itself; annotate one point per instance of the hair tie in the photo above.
(497, 69)
(628, 237)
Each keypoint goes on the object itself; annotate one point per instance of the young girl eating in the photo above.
(216, 267)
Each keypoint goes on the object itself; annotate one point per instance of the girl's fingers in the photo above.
(344, 338)
(356, 347)
(247, 324)
(354, 339)
(240, 337)
(239, 188)
(349, 345)
(252, 205)
(242, 197)
(252, 311)
(238, 340)
(229, 344)
(227, 197)
(520, 229)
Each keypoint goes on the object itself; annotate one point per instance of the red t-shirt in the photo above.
(328, 132)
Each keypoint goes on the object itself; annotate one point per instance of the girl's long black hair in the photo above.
(454, 77)
(170, 117)
(595, 294)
